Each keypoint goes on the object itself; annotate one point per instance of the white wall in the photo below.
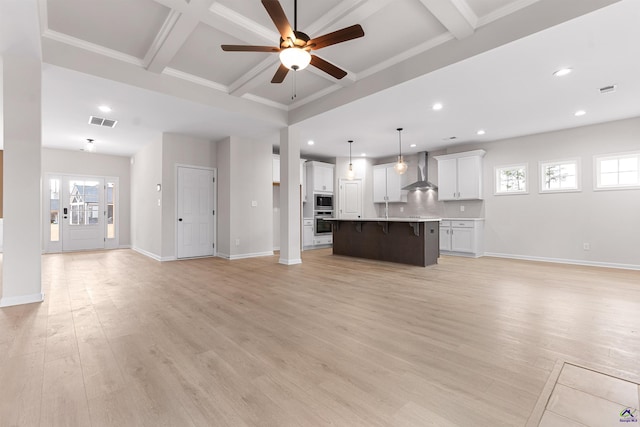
(93, 164)
(555, 226)
(244, 176)
(185, 151)
(146, 213)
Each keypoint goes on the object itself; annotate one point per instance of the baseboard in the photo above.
(170, 258)
(243, 256)
(462, 254)
(147, 253)
(124, 247)
(566, 261)
(22, 299)
(290, 261)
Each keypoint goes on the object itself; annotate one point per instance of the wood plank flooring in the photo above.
(122, 340)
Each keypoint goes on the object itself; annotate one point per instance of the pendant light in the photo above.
(401, 166)
(350, 173)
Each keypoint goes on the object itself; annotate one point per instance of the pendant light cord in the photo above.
(399, 142)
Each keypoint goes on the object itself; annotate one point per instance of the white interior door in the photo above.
(196, 215)
(350, 199)
(83, 213)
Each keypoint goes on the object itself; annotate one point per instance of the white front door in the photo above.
(83, 213)
(196, 215)
(350, 199)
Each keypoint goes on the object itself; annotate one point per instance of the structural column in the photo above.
(21, 269)
(289, 197)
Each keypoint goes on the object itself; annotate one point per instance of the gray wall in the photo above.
(557, 225)
(550, 227)
(146, 214)
(244, 176)
(94, 164)
(185, 151)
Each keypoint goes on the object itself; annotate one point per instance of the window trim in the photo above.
(496, 180)
(541, 183)
(596, 169)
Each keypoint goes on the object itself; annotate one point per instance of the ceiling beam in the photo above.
(456, 16)
(174, 32)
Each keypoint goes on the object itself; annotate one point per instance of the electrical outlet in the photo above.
(462, 208)
(254, 203)
(401, 208)
(586, 246)
(237, 242)
(158, 202)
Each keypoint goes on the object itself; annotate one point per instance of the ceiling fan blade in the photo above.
(243, 48)
(275, 11)
(327, 67)
(343, 35)
(280, 74)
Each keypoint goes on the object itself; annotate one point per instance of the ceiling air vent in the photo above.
(99, 121)
(607, 89)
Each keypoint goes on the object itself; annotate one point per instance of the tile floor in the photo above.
(582, 397)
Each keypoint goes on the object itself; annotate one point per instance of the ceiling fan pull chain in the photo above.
(293, 95)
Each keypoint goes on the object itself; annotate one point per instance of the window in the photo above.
(562, 175)
(511, 179)
(617, 171)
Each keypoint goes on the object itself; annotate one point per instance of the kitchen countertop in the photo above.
(392, 219)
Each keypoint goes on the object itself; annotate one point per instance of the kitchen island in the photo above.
(413, 241)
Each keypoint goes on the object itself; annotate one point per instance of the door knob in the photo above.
(180, 219)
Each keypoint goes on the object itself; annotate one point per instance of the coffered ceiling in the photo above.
(159, 65)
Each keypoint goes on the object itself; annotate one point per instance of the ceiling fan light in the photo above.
(295, 58)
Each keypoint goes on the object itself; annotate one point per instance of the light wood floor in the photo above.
(124, 340)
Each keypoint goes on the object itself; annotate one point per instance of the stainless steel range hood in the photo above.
(422, 183)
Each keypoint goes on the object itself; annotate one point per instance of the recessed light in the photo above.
(104, 108)
(580, 113)
(481, 132)
(437, 106)
(363, 154)
(562, 72)
(413, 146)
(310, 142)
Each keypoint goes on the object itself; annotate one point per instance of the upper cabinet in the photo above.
(276, 169)
(320, 177)
(460, 176)
(387, 184)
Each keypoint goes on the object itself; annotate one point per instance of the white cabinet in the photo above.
(307, 232)
(303, 179)
(322, 240)
(276, 169)
(460, 176)
(320, 177)
(462, 236)
(387, 184)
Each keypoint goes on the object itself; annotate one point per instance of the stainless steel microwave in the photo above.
(323, 202)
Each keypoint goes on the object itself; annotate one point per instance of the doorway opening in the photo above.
(80, 213)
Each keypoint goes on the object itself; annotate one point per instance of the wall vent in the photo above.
(99, 121)
(607, 89)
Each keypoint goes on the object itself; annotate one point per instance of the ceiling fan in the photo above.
(295, 46)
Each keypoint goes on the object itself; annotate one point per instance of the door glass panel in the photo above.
(111, 197)
(54, 210)
(84, 201)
